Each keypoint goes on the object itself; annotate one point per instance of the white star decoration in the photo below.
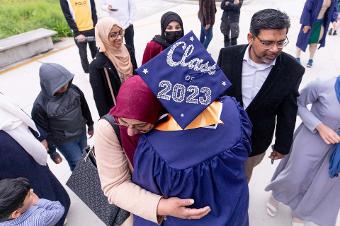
(145, 71)
(182, 115)
(224, 83)
(192, 38)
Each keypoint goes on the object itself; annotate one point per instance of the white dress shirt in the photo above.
(126, 11)
(253, 77)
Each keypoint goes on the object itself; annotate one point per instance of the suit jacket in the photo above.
(275, 103)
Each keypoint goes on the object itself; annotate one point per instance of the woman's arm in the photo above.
(115, 177)
(309, 95)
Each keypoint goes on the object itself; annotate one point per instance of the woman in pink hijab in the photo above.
(114, 63)
(136, 112)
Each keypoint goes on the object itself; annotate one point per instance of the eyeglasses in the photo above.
(269, 44)
(140, 127)
(115, 35)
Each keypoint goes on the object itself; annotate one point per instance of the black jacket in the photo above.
(274, 105)
(67, 122)
(62, 116)
(69, 18)
(98, 81)
(231, 12)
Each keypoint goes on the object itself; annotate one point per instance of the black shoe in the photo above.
(334, 33)
(56, 158)
(330, 31)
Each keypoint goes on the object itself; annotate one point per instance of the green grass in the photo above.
(17, 16)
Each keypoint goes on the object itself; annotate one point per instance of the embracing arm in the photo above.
(115, 176)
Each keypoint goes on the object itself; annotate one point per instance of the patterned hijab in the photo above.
(135, 101)
(119, 57)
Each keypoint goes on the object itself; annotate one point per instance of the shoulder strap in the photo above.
(109, 84)
(115, 127)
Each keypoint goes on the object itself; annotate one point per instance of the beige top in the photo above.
(115, 176)
(325, 5)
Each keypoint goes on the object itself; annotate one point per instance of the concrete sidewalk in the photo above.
(22, 84)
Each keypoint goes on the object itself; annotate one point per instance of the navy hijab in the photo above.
(334, 161)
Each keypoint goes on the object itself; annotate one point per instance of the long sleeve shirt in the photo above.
(325, 108)
(123, 10)
(115, 176)
(80, 15)
(253, 77)
(44, 213)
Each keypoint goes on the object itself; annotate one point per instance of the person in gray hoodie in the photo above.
(62, 112)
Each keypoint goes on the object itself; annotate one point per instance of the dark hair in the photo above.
(12, 195)
(269, 19)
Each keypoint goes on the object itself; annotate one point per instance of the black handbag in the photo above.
(85, 183)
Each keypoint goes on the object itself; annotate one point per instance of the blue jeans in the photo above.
(73, 150)
(206, 36)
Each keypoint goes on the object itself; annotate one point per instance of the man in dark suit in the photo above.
(265, 81)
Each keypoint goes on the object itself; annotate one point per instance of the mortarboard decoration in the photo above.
(185, 79)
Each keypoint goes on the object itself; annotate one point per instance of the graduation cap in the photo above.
(184, 78)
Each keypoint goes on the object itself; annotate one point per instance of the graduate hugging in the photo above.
(197, 152)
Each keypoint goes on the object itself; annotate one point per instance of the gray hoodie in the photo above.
(62, 116)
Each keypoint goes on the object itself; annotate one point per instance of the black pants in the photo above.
(129, 33)
(82, 46)
(231, 31)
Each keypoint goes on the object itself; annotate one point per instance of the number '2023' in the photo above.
(180, 93)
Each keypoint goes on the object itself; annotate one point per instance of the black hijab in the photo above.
(167, 18)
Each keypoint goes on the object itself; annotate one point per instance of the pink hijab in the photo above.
(135, 101)
(120, 57)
